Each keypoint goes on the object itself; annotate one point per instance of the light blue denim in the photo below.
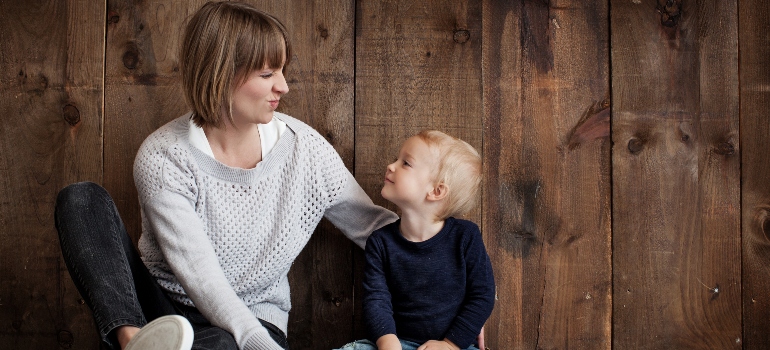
(368, 345)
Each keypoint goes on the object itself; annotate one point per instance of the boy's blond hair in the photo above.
(459, 168)
(224, 42)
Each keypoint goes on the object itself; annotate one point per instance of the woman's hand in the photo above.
(439, 345)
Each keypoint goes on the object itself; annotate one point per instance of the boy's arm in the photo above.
(479, 295)
(377, 302)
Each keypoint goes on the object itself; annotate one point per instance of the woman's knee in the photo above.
(81, 194)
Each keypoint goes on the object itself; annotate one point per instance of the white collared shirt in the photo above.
(268, 134)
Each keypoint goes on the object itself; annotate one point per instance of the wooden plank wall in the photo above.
(676, 175)
(755, 170)
(51, 105)
(626, 200)
(547, 159)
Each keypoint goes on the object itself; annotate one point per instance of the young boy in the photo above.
(428, 280)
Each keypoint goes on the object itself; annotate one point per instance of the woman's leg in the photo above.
(103, 263)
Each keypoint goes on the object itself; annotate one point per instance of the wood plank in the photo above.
(547, 191)
(676, 228)
(142, 89)
(755, 167)
(143, 93)
(51, 90)
(321, 76)
(417, 67)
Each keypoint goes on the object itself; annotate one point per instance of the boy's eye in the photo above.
(407, 164)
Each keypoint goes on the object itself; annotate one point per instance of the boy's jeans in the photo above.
(110, 275)
(368, 345)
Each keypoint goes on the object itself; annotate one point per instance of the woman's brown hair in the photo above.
(223, 42)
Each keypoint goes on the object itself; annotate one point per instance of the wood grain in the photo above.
(547, 192)
(321, 76)
(142, 89)
(676, 173)
(755, 168)
(51, 91)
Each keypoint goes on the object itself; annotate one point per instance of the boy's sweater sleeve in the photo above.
(479, 297)
(170, 212)
(377, 303)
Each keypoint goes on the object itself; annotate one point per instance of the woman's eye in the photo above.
(266, 75)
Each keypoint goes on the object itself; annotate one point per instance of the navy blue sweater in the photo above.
(431, 290)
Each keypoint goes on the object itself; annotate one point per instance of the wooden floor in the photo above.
(626, 198)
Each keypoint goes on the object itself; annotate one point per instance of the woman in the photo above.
(230, 194)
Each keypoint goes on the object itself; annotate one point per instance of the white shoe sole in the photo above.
(171, 332)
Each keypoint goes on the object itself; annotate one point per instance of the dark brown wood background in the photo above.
(626, 201)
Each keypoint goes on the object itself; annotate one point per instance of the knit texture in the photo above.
(223, 239)
(419, 291)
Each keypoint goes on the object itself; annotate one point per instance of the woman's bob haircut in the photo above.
(223, 42)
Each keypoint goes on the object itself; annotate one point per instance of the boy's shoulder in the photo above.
(463, 226)
(386, 230)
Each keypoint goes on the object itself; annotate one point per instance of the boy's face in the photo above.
(409, 179)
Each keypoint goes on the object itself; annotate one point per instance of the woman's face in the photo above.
(257, 98)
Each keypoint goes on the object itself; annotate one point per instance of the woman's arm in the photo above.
(355, 214)
(167, 196)
(188, 251)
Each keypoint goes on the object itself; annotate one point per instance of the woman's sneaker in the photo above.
(172, 332)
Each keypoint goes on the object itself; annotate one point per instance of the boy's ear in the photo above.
(438, 193)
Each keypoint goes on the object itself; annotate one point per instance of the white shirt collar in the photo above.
(269, 135)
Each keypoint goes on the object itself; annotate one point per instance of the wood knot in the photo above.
(462, 36)
(71, 114)
(113, 17)
(670, 12)
(131, 56)
(65, 339)
(635, 145)
(762, 221)
(323, 31)
(725, 149)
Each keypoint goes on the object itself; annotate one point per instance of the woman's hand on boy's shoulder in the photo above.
(439, 345)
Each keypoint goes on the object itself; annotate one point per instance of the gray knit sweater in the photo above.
(223, 239)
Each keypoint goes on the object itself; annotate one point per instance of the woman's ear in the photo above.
(438, 193)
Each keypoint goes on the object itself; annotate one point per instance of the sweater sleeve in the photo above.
(479, 296)
(377, 302)
(355, 214)
(169, 210)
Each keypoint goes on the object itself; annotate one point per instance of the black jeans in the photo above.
(111, 277)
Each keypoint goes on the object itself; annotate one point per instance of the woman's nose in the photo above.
(280, 85)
